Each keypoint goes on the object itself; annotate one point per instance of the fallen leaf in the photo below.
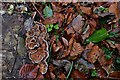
(56, 8)
(76, 49)
(78, 23)
(101, 73)
(93, 55)
(57, 17)
(87, 65)
(57, 46)
(78, 75)
(115, 74)
(114, 9)
(103, 61)
(33, 73)
(52, 75)
(92, 24)
(118, 47)
(86, 10)
(25, 70)
(65, 41)
(62, 76)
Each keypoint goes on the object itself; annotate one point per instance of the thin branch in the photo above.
(38, 11)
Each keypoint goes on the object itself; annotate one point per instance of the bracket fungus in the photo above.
(37, 47)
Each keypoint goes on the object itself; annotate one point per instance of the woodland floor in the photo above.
(83, 40)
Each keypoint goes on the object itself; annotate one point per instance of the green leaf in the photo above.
(108, 53)
(56, 26)
(118, 60)
(47, 11)
(98, 36)
(49, 29)
(94, 73)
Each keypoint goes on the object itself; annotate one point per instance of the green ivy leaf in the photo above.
(56, 26)
(47, 11)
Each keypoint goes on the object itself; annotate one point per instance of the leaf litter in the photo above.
(64, 40)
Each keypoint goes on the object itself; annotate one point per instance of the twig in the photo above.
(38, 11)
(71, 67)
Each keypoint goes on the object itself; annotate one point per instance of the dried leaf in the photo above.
(25, 70)
(115, 74)
(33, 73)
(76, 49)
(93, 55)
(85, 63)
(78, 23)
(103, 61)
(86, 10)
(56, 8)
(52, 75)
(57, 17)
(118, 47)
(65, 41)
(62, 76)
(114, 9)
(78, 75)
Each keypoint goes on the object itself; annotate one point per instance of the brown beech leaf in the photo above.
(57, 46)
(85, 63)
(62, 76)
(86, 10)
(103, 61)
(71, 42)
(57, 17)
(56, 8)
(78, 23)
(118, 47)
(114, 9)
(25, 70)
(51, 68)
(33, 73)
(65, 41)
(52, 75)
(101, 73)
(76, 49)
(70, 30)
(93, 55)
(90, 45)
(92, 24)
(115, 74)
(78, 75)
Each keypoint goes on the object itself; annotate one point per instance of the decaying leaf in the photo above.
(25, 70)
(61, 76)
(78, 23)
(115, 74)
(86, 10)
(118, 47)
(76, 49)
(65, 41)
(57, 17)
(93, 55)
(87, 65)
(114, 9)
(78, 75)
